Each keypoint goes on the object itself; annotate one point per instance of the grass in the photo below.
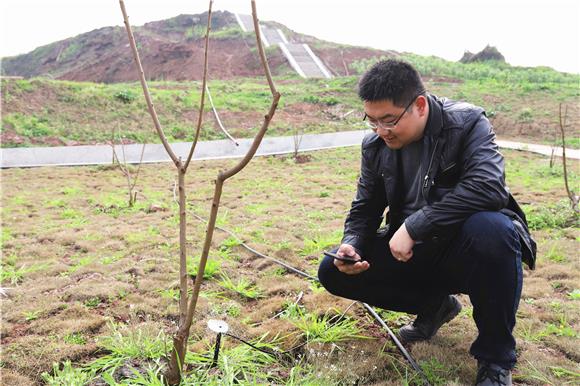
(81, 111)
(551, 216)
(67, 375)
(113, 267)
(320, 242)
(212, 267)
(243, 287)
(327, 328)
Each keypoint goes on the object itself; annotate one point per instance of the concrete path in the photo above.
(97, 155)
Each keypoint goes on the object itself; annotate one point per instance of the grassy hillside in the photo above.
(522, 103)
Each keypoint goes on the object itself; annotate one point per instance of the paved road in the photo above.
(96, 155)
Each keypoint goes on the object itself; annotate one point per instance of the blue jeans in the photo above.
(483, 260)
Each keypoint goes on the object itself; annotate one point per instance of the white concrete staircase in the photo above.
(299, 55)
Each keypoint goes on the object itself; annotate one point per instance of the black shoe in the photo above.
(427, 325)
(490, 374)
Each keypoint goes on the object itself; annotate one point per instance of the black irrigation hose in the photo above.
(369, 309)
(265, 350)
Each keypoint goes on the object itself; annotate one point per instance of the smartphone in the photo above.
(346, 259)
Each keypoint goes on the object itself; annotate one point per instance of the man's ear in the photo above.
(421, 105)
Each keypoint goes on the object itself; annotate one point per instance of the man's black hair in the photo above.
(392, 80)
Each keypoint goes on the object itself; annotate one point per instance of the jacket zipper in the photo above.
(426, 179)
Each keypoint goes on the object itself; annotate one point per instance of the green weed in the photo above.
(212, 267)
(126, 343)
(395, 318)
(32, 315)
(574, 295)
(75, 338)
(555, 254)
(326, 329)
(67, 375)
(569, 375)
(525, 115)
(437, 373)
(6, 235)
(9, 273)
(238, 364)
(559, 215)
(242, 287)
(125, 96)
(562, 328)
(92, 302)
(230, 243)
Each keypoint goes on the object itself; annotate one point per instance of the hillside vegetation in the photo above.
(521, 102)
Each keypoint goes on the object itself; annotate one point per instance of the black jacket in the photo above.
(463, 173)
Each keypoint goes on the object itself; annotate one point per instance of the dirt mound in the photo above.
(171, 49)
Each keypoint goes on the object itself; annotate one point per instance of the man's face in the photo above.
(409, 123)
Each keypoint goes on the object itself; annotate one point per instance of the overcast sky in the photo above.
(526, 32)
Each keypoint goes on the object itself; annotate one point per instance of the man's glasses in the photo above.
(380, 123)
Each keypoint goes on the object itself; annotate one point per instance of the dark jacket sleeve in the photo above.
(481, 186)
(367, 208)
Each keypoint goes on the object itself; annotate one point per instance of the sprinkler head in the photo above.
(218, 326)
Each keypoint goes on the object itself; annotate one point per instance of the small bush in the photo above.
(125, 96)
(525, 115)
(311, 99)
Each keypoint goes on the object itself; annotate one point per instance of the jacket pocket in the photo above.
(448, 176)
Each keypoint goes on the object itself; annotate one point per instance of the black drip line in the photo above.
(369, 309)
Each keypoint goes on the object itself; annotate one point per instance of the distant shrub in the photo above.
(525, 115)
(314, 99)
(330, 101)
(125, 96)
(311, 99)
(227, 33)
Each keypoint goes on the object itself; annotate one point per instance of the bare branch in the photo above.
(217, 117)
(182, 249)
(139, 167)
(203, 88)
(222, 176)
(261, 50)
(150, 106)
(574, 199)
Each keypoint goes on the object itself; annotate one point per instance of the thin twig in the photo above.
(203, 87)
(138, 167)
(571, 195)
(146, 93)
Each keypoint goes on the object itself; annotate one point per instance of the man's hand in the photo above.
(350, 269)
(401, 244)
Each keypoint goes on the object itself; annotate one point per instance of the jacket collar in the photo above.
(435, 119)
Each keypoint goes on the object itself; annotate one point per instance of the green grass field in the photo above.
(93, 284)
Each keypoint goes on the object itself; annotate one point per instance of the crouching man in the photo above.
(452, 226)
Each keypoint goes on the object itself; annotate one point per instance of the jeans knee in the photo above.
(328, 274)
(490, 230)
